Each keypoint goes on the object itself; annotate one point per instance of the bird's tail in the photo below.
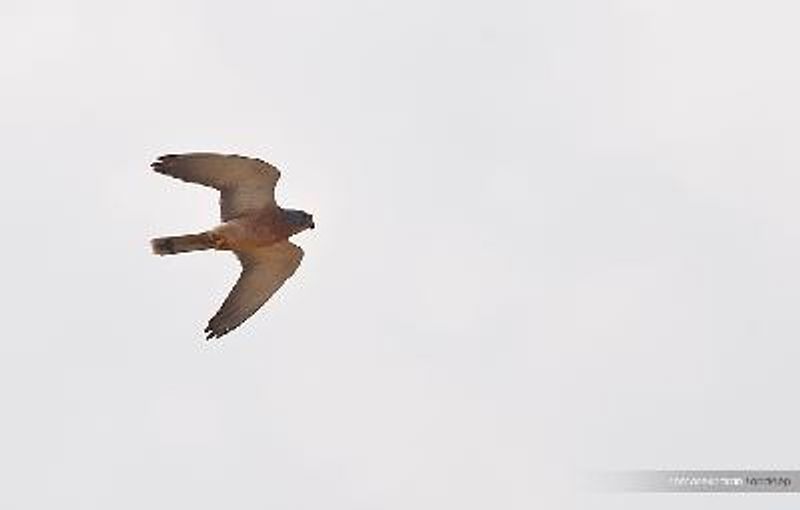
(181, 244)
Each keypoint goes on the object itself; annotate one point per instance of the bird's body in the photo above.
(253, 226)
(252, 231)
(257, 230)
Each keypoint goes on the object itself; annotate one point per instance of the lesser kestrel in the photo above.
(253, 227)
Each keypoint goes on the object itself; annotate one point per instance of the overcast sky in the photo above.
(551, 237)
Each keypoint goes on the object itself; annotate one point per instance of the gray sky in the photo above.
(551, 237)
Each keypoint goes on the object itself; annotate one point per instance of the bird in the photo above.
(253, 227)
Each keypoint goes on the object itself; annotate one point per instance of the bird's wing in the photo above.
(246, 184)
(263, 272)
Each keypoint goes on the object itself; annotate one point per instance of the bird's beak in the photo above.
(312, 225)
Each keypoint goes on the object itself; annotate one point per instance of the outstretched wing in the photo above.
(263, 272)
(247, 184)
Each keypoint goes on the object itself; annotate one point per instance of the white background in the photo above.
(552, 238)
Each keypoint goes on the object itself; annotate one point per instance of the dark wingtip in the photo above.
(162, 160)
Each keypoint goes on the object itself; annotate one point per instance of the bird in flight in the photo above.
(253, 227)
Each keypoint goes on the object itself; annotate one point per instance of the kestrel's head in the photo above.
(300, 220)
